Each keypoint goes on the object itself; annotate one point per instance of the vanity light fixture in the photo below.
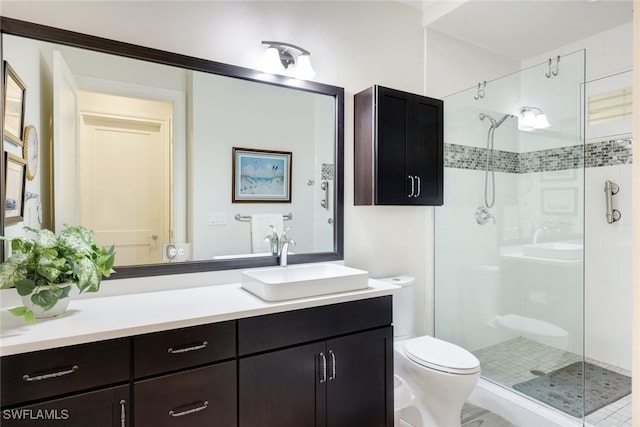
(278, 59)
(531, 118)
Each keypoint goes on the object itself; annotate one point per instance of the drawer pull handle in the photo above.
(123, 414)
(186, 349)
(27, 377)
(323, 374)
(333, 365)
(202, 407)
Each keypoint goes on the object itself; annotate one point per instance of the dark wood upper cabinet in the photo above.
(399, 149)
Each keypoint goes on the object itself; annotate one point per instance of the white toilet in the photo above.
(440, 374)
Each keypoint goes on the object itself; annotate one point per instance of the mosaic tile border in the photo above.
(598, 154)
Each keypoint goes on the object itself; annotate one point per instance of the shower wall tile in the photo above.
(599, 154)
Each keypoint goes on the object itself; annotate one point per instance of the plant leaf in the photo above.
(46, 298)
(18, 311)
(28, 315)
(88, 275)
(11, 270)
(25, 286)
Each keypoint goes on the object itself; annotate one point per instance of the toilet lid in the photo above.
(441, 355)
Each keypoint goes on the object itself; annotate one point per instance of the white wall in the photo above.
(353, 45)
(33, 71)
(231, 113)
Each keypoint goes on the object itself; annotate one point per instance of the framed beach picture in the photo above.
(261, 176)
(15, 179)
(14, 97)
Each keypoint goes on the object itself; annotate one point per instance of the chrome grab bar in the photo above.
(611, 189)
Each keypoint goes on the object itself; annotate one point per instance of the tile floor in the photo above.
(512, 361)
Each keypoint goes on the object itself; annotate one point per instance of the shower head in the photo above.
(495, 124)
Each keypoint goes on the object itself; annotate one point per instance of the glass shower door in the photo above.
(509, 237)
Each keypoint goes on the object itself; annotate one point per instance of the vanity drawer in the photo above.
(30, 376)
(176, 349)
(268, 332)
(103, 408)
(197, 397)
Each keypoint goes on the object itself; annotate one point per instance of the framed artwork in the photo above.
(14, 97)
(14, 183)
(559, 201)
(261, 176)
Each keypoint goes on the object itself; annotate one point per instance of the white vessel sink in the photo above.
(554, 250)
(300, 281)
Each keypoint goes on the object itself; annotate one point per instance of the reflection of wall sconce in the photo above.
(531, 118)
(278, 59)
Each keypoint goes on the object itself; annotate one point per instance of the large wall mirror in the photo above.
(183, 163)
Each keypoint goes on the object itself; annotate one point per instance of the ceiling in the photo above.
(521, 29)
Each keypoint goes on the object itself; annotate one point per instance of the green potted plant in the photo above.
(44, 269)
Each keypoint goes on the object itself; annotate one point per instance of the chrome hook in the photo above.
(553, 70)
(481, 90)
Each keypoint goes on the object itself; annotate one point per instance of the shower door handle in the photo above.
(413, 185)
(418, 193)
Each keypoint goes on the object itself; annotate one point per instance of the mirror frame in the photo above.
(44, 33)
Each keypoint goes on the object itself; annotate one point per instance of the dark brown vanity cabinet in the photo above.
(326, 366)
(399, 148)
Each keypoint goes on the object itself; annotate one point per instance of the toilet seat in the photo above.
(441, 355)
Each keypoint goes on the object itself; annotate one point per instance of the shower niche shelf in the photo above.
(398, 148)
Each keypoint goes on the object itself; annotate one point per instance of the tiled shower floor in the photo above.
(512, 361)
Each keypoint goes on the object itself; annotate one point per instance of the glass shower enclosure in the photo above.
(509, 281)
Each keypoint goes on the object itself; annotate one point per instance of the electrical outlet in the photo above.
(176, 252)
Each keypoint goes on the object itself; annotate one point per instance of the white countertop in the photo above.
(100, 318)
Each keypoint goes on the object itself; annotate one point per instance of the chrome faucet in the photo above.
(285, 242)
(274, 241)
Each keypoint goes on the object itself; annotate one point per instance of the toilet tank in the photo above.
(403, 305)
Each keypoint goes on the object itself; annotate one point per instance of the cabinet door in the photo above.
(282, 388)
(392, 183)
(360, 379)
(197, 397)
(103, 408)
(425, 157)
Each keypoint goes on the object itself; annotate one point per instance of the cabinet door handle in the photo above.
(323, 372)
(186, 349)
(201, 407)
(413, 185)
(418, 179)
(27, 377)
(333, 365)
(123, 414)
